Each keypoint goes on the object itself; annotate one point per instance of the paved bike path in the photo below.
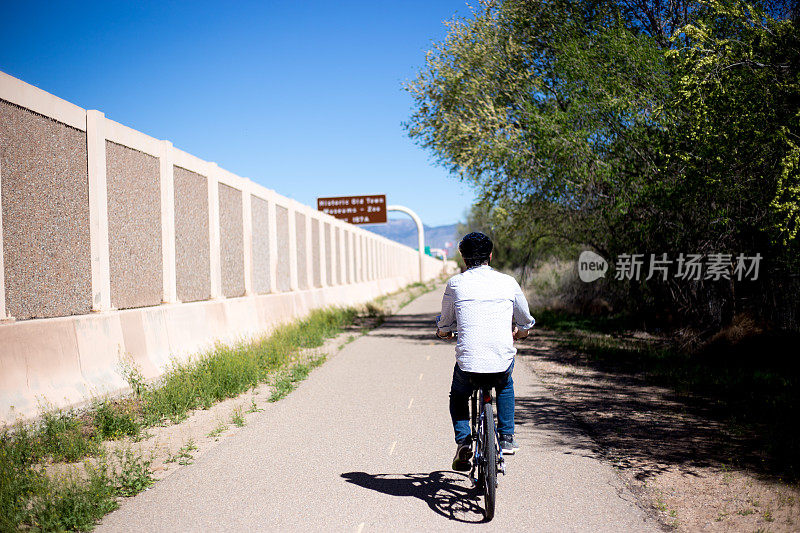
(365, 444)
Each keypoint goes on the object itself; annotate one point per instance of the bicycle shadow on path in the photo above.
(446, 492)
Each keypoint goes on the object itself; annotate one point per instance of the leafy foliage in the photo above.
(642, 127)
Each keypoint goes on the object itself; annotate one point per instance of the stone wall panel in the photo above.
(284, 281)
(45, 202)
(192, 246)
(316, 247)
(134, 227)
(231, 241)
(300, 236)
(260, 210)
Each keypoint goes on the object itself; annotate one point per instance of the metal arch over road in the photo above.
(420, 235)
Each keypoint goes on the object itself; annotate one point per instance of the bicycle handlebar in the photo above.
(454, 334)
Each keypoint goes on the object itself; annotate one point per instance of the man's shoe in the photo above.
(461, 461)
(508, 444)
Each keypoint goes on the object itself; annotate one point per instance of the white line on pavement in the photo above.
(360, 527)
(391, 450)
(410, 402)
(420, 377)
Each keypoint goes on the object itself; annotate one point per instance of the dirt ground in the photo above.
(676, 457)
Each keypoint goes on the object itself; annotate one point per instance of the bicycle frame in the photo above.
(480, 397)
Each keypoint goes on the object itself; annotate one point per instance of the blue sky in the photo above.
(303, 97)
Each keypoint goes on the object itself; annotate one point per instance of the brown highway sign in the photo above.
(355, 209)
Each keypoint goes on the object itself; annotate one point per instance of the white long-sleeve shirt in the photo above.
(480, 304)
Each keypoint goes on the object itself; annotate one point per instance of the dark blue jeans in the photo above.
(461, 390)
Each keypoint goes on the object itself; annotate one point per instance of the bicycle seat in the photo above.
(484, 381)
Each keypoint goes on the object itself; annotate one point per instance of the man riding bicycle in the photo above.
(481, 304)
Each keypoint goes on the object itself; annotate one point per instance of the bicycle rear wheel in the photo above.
(490, 458)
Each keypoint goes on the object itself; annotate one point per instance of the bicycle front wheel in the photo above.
(490, 458)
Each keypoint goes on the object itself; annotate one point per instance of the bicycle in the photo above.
(487, 457)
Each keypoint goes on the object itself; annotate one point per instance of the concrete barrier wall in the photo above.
(115, 244)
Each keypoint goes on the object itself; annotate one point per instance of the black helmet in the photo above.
(475, 248)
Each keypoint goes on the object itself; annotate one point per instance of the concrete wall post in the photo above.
(355, 256)
(167, 181)
(98, 211)
(370, 255)
(247, 230)
(213, 231)
(371, 258)
(379, 259)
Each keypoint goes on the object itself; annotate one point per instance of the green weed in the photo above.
(114, 420)
(132, 374)
(19, 480)
(75, 501)
(348, 340)
(134, 473)
(217, 431)
(61, 436)
(184, 455)
(70, 502)
(286, 381)
(237, 417)
(254, 406)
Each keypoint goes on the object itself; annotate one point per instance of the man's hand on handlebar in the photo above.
(446, 335)
(520, 334)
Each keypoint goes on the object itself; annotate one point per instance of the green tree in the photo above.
(648, 126)
(734, 142)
